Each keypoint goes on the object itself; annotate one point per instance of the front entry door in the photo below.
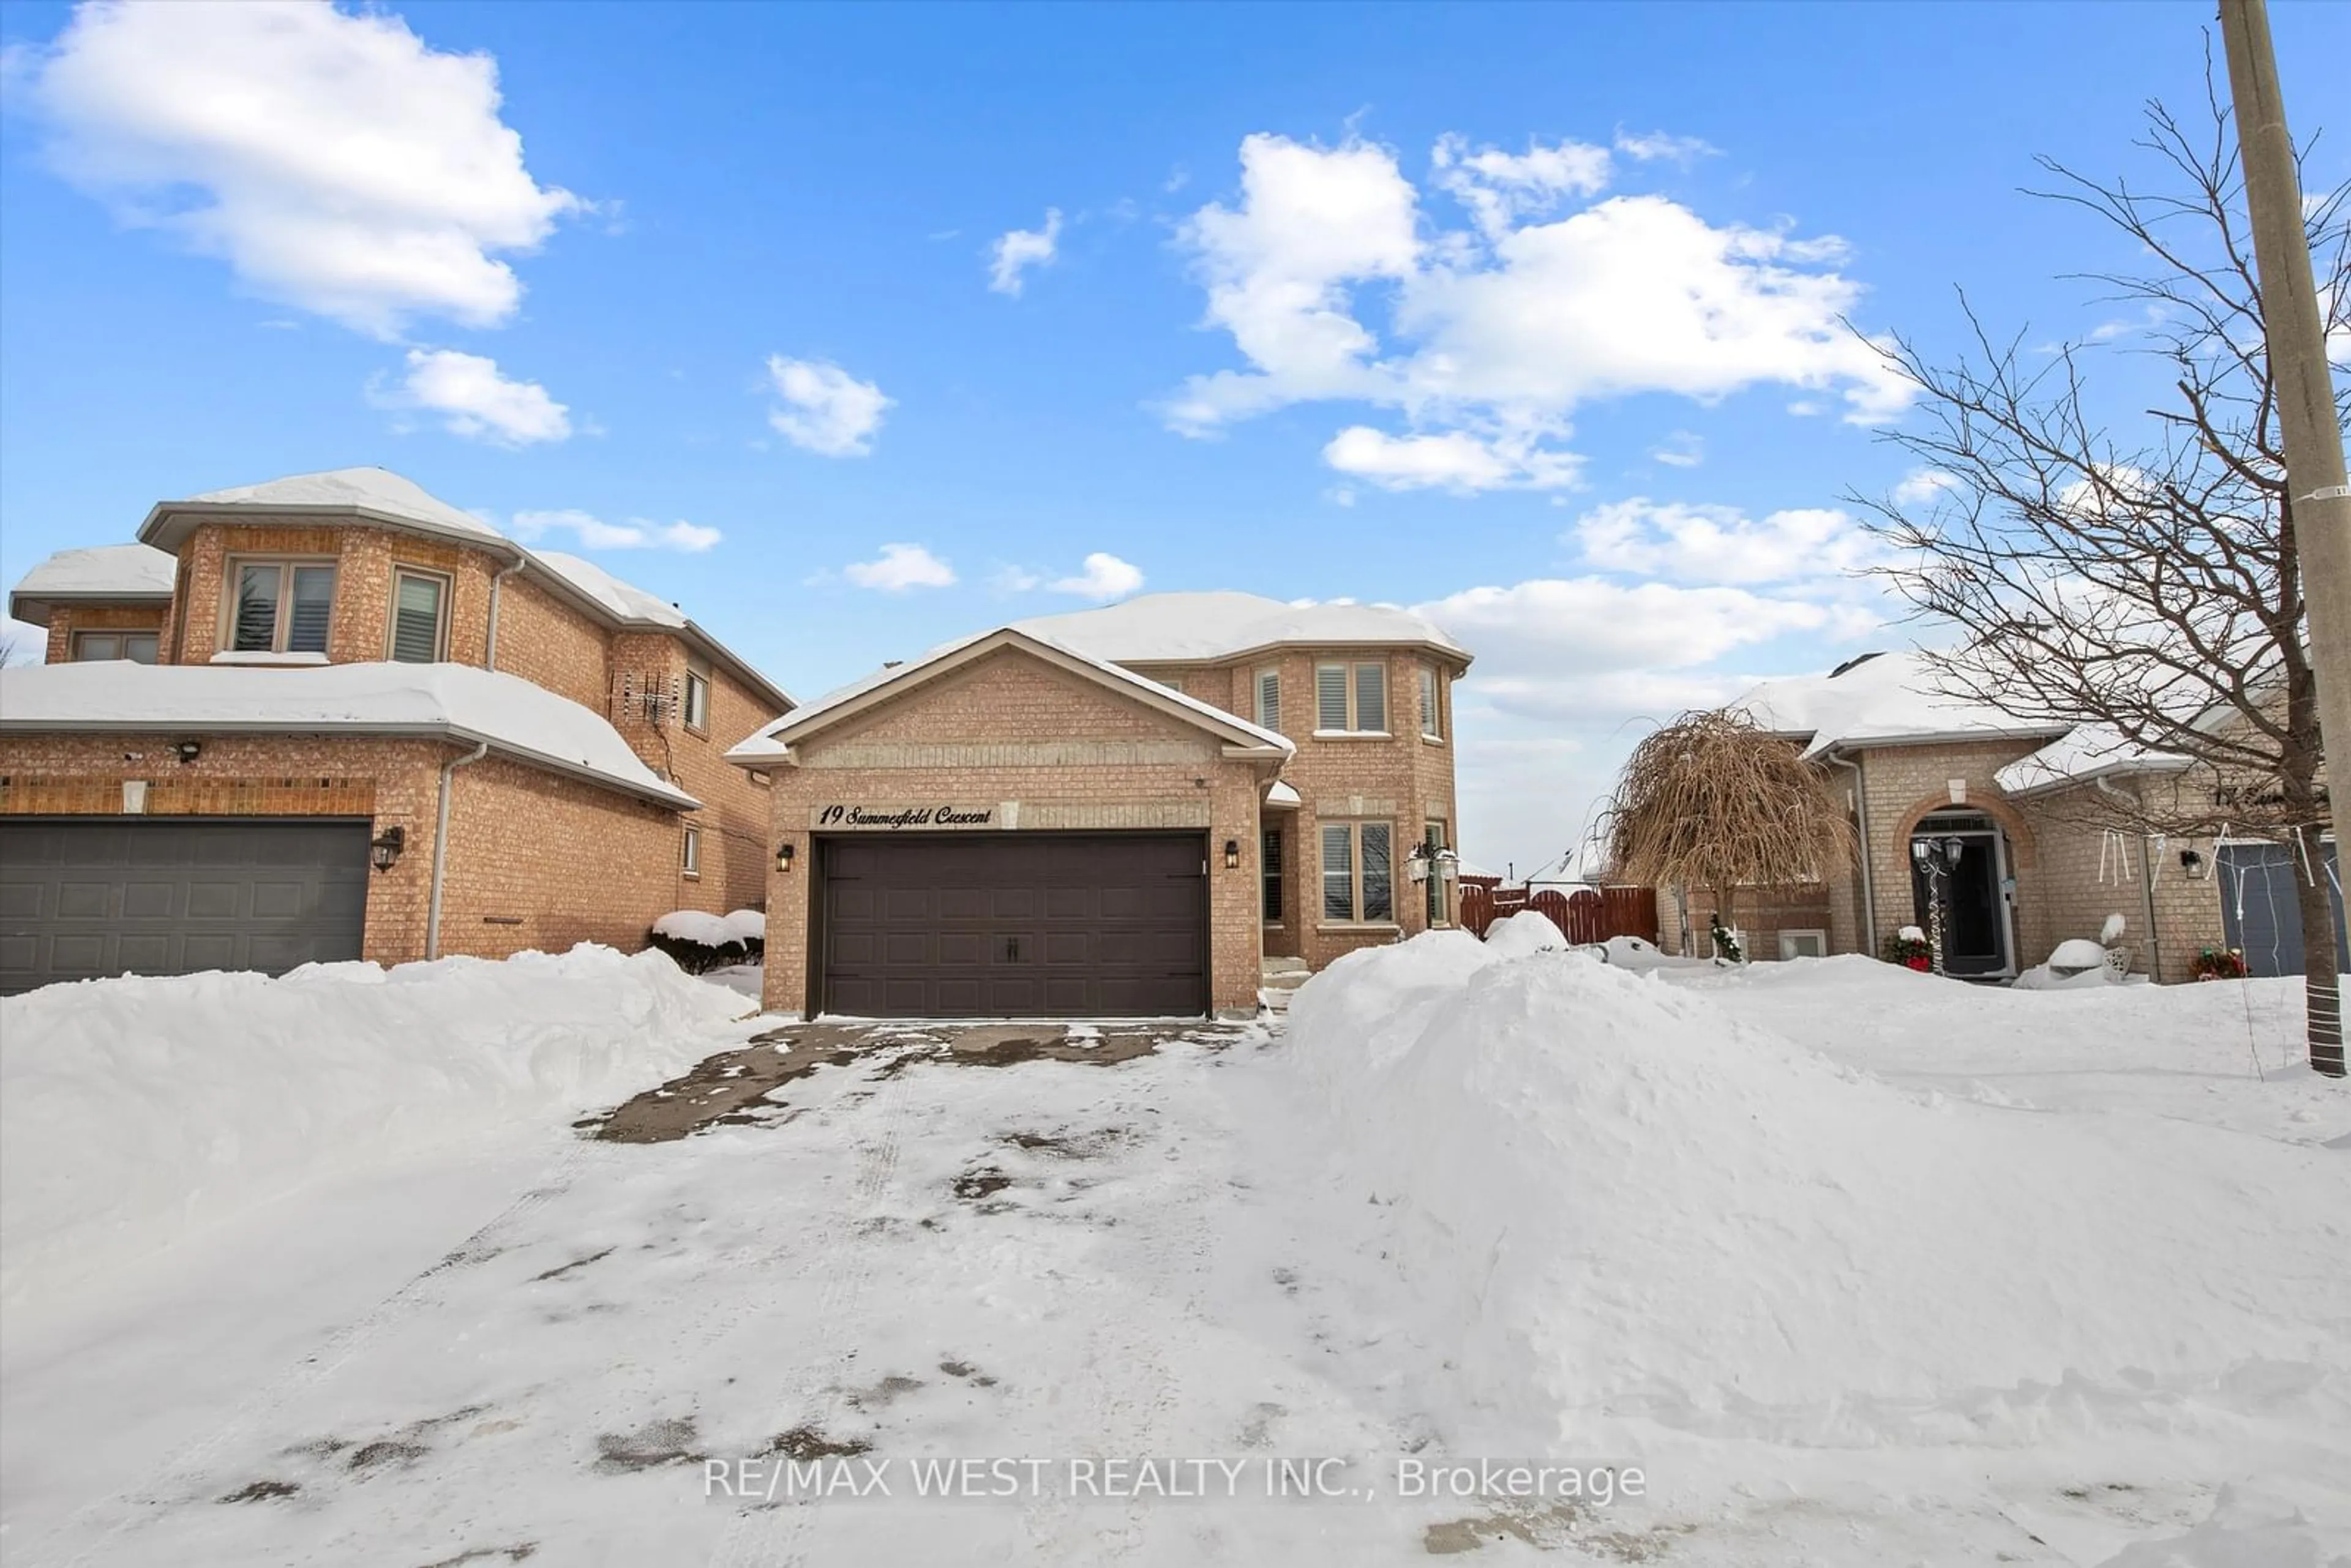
(1975, 903)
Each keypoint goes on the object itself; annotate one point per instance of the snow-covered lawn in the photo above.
(1859, 1267)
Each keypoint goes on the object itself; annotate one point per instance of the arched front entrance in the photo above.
(1962, 869)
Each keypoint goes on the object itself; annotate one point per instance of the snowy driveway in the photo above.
(887, 1242)
(859, 1249)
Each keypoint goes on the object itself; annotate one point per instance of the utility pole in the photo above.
(2318, 497)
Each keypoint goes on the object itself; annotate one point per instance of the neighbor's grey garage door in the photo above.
(83, 896)
(1015, 925)
(2260, 885)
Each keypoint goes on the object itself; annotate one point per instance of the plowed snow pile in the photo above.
(131, 1110)
(1624, 1208)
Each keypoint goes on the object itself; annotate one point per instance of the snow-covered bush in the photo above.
(699, 942)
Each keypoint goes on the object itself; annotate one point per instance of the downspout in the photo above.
(2146, 881)
(490, 640)
(441, 848)
(1861, 813)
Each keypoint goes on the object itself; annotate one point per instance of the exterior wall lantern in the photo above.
(2193, 863)
(1448, 865)
(784, 856)
(386, 846)
(189, 750)
(1416, 864)
(1232, 854)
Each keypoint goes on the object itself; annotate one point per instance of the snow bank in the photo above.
(1620, 1204)
(713, 930)
(132, 1110)
(1528, 931)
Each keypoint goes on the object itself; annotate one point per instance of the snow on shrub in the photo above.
(133, 1110)
(1620, 1204)
(699, 942)
(1528, 931)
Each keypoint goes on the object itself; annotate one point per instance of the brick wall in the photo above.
(540, 862)
(1011, 728)
(388, 781)
(1400, 778)
(65, 620)
(535, 860)
(548, 644)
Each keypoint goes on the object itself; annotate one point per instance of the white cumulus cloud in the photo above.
(593, 532)
(1335, 286)
(1720, 544)
(824, 409)
(1017, 250)
(1454, 460)
(474, 399)
(1104, 577)
(1921, 485)
(900, 567)
(334, 160)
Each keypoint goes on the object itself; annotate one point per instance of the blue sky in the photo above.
(1383, 303)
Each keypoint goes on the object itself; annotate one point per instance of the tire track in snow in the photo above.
(778, 1536)
(180, 1473)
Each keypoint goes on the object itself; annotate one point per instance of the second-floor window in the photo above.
(1351, 698)
(419, 603)
(1269, 700)
(282, 607)
(1432, 722)
(138, 647)
(697, 699)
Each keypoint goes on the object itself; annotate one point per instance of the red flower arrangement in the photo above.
(2219, 964)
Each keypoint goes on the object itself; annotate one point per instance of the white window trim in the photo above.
(1431, 682)
(695, 672)
(440, 627)
(690, 855)
(233, 575)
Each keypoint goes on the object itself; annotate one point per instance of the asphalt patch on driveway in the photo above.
(733, 1087)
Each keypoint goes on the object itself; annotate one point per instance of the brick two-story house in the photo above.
(1120, 811)
(331, 716)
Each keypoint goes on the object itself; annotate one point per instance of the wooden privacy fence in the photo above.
(1585, 915)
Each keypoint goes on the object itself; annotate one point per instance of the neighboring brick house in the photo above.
(1914, 766)
(1117, 811)
(255, 722)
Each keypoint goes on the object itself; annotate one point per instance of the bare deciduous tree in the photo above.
(2139, 578)
(1712, 802)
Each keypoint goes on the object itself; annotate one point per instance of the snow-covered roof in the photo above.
(772, 744)
(380, 495)
(1880, 699)
(1282, 793)
(379, 491)
(1175, 628)
(456, 702)
(2088, 753)
(623, 599)
(115, 572)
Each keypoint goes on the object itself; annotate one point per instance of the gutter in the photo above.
(1836, 758)
(490, 638)
(659, 794)
(2147, 884)
(441, 848)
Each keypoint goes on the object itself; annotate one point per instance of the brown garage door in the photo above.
(1015, 925)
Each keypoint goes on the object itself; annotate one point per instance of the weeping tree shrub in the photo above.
(2102, 549)
(1713, 801)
